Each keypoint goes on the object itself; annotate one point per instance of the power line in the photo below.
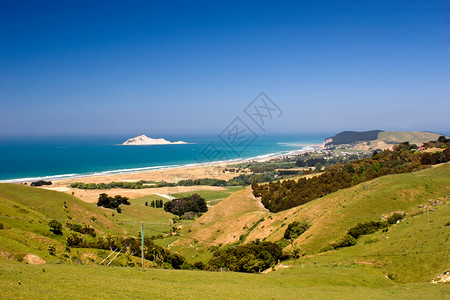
(127, 222)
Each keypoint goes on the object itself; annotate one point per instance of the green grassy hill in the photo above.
(311, 282)
(25, 213)
(396, 263)
(57, 205)
(331, 216)
(223, 224)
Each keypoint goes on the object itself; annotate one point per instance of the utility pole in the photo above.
(142, 247)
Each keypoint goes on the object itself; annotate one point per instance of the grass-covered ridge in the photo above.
(382, 264)
(404, 158)
(311, 281)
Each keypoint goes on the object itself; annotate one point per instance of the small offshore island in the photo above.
(144, 140)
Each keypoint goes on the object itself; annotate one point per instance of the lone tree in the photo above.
(55, 227)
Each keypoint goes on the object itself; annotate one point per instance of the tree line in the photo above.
(278, 196)
(251, 258)
(243, 179)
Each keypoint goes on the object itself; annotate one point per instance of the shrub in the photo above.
(186, 266)
(41, 183)
(251, 258)
(74, 227)
(394, 218)
(73, 240)
(200, 266)
(345, 241)
(366, 228)
(295, 229)
(176, 260)
(88, 230)
(55, 227)
(51, 250)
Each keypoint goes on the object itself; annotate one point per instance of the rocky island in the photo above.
(145, 140)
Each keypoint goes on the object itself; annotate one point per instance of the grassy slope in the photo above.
(408, 252)
(69, 281)
(51, 204)
(222, 224)
(331, 216)
(340, 273)
(26, 211)
(413, 137)
(156, 219)
(212, 197)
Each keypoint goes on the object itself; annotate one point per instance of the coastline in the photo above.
(118, 175)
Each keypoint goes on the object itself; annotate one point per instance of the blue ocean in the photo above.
(26, 159)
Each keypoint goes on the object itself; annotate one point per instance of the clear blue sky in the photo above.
(162, 67)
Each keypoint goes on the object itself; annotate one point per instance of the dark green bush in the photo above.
(366, 228)
(251, 258)
(295, 229)
(394, 218)
(55, 227)
(345, 241)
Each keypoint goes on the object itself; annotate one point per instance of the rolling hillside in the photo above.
(26, 211)
(331, 216)
(395, 263)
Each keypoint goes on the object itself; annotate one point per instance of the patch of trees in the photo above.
(202, 181)
(41, 183)
(365, 228)
(442, 142)
(278, 196)
(247, 179)
(267, 166)
(251, 258)
(55, 227)
(435, 157)
(242, 179)
(111, 185)
(295, 229)
(81, 229)
(306, 161)
(156, 203)
(131, 246)
(112, 202)
(194, 203)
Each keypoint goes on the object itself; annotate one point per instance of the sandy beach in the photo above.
(172, 174)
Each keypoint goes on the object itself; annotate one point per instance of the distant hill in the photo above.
(413, 137)
(348, 137)
(379, 139)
